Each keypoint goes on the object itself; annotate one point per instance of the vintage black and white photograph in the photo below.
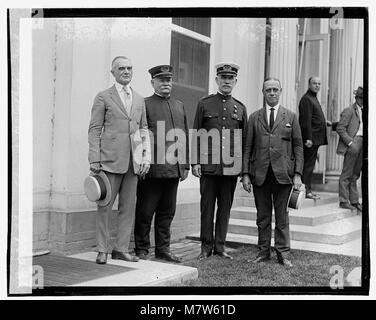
(189, 151)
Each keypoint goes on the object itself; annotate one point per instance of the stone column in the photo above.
(345, 75)
(283, 60)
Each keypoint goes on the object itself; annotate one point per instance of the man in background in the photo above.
(350, 145)
(313, 125)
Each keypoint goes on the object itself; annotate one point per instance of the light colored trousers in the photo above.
(125, 185)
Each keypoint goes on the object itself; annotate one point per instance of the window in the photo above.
(190, 58)
(199, 25)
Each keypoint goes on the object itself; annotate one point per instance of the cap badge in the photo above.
(165, 69)
(226, 67)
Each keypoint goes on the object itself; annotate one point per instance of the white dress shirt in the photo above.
(360, 130)
(125, 94)
(276, 107)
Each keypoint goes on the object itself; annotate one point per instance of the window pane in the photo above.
(190, 59)
(185, 61)
(200, 64)
(199, 25)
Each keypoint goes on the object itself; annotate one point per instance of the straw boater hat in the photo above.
(97, 188)
(296, 198)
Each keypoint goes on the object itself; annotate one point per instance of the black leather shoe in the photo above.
(357, 206)
(123, 256)
(101, 258)
(204, 255)
(223, 254)
(286, 262)
(168, 256)
(345, 205)
(259, 259)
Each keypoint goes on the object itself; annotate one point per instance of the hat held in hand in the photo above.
(296, 198)
(98, 189)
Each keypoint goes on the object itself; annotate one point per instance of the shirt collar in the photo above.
(119, 87)
(275, 107)
(359, 107)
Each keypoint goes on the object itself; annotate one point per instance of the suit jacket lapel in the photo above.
(116, 98)
(356, 111)
(262, 118)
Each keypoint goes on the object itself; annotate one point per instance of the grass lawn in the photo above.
(310, 269)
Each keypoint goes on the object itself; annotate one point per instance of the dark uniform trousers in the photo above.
(220, 189)
(310, 156)
(352, 166)
(159, 196)
(269, 194)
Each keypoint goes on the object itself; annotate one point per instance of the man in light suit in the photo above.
(350, 145)
(272, 163)
(119, 145)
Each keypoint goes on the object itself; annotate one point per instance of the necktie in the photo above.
(271, 118)
(127, 99)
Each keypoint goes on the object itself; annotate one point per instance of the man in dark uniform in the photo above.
(157, 192)
(313, 125)
(218, 116)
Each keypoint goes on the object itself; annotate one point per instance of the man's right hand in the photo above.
(247, 186)
(95, 167)
(196, 170)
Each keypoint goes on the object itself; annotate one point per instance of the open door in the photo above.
(314, 61)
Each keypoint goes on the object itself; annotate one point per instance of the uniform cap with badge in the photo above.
(163, 70)
(227, 68)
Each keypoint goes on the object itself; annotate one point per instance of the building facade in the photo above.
(71, 63)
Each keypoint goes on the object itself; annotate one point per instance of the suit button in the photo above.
(223, 100)
(224, 118)
(223, 127)
(224, 109)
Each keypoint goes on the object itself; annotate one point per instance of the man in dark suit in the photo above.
(350, 144)
(272, 163)
(119, 145)
(157, 192)
(222, 117)
(313, 125)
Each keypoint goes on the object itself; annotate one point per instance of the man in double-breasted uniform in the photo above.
(350, 145)
(156, 193)
(313, 125)
(272, 163)
(119, 145)
(220, 119)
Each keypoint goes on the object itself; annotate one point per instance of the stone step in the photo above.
(309, 216)
(351, 248)
(325, 198)
(335, 232)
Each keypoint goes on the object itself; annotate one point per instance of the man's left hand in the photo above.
(297, 181)
(185, 175)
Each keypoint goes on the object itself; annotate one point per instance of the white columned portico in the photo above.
(283, 58)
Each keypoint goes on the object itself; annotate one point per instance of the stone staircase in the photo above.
(318, 226)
